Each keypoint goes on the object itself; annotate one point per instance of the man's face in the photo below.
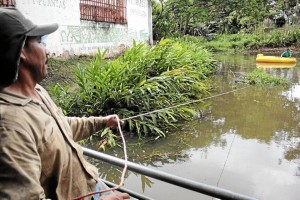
(36, 58)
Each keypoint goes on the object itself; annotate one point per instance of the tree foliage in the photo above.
(199, 17)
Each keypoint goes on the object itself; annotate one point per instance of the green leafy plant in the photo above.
(259, 77)
(276, 38)
(142, 80)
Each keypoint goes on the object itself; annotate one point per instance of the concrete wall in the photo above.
(81, 37)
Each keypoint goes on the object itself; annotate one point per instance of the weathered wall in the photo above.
(81, 37)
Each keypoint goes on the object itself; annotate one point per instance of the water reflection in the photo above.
(275, 65)
(293, 94)
(246, 141)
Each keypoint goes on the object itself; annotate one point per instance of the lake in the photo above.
(246, 141)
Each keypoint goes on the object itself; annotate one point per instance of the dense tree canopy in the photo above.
(201, 17)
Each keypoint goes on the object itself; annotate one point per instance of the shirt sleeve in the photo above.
(83, 127)
(20, 166)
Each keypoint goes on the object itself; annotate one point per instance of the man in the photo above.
(39, 158)
(287, 53)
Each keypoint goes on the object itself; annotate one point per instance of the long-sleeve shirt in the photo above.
(39, 158)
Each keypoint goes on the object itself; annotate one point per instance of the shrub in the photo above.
(142, 80)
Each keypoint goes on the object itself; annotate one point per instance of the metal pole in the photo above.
(169, 178)
(130, 192)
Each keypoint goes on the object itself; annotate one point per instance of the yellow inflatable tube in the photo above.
(274, 59)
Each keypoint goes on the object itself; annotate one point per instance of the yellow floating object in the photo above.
(275, 65)
(274, 59)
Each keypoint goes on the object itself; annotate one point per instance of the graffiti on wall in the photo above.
(139, 3)
(139, 8)
(48, 3)
(89, 38)
(95, 47)
(88, 35)
(139, 13)
(64, 3)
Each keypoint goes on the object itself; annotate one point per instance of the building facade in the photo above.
(88, 25)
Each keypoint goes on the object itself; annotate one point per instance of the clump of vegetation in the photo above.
(233, 42)
(143, 79)
(244, 41)
(259, 77)
(209, 18)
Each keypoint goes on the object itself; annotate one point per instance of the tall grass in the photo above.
(142, 80)
(242, 41)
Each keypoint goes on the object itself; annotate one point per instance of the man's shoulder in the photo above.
(16, 111)
(42, 91)
(13, 116)
(7, 97)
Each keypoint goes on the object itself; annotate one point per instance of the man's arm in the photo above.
(84, 127)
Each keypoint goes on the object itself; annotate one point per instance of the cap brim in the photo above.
(40, 30)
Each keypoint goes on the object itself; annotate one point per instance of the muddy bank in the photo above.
(276, 51)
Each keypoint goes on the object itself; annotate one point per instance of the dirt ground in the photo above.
(276, 50)
(62, 71)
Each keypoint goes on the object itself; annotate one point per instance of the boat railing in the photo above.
(202, 188)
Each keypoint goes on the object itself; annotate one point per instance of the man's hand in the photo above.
(121, 196)
(112, 121)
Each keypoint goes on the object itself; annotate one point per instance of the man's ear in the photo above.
(23, 54)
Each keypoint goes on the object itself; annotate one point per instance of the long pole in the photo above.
(169, 178)
(130, 192)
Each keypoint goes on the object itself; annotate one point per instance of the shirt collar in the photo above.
(15, 98)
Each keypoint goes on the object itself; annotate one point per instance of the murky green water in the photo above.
(246, 141)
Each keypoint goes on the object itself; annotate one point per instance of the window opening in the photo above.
(113, 11)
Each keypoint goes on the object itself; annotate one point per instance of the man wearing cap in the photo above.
(39, 158)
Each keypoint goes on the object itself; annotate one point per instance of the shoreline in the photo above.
(277, 50)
